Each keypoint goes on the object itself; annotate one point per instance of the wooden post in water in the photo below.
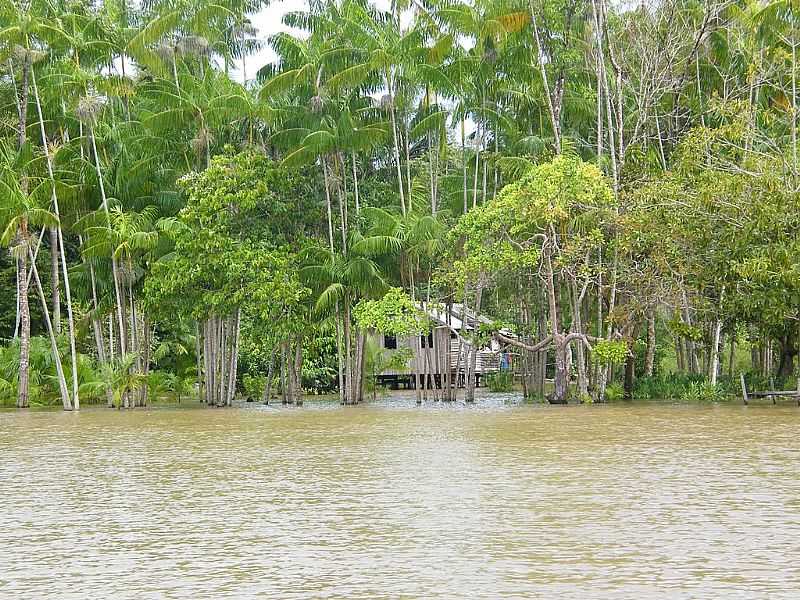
(798, 390)
(744, 389)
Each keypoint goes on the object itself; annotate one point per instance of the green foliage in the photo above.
(669, 386)
(120, 378)
(611, 351)
(192, 193)
(703, 391)
(43, 381)
(254, 386)
(614, 392)
(686, 331)
(502, 381)
(158, 383)
(507, 235)
(394, 313)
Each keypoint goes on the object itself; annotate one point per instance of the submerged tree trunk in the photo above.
(473, 354)
(62, 382)
(268, 385)
(561, 377)
(59, 246)
(25, 328)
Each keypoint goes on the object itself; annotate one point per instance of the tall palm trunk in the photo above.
(62, 382)
(59, 242)
(114, 266)
(22, 287)
(55, 284)
(25, 324)
(395, 137)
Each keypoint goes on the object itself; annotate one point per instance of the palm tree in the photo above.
(119, 376)
(202, 104)
(129, 236)
(340, 281)
(21, 210)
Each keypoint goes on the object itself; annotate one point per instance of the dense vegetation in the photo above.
(616, 184)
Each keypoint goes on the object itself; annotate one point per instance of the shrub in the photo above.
(664, 387)
(253, 386)
(614, 392)
(502, 381)
(703, 391)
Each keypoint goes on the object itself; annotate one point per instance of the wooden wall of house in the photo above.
(445, 352)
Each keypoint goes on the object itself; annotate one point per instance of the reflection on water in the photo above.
(496, 500)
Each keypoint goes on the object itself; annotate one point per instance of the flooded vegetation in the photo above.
(238, 223)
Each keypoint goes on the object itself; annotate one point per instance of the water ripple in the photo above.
(388, 500)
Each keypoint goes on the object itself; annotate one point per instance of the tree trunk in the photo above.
(679, 358)
(23, 387)
(284, 396)
(788, 352)
(62, 382)
(348, 357)
(198, 344)
(268, 386)
(25, 329)
(650, 356)
(234, 357)
(396, 141)
(114, 266)
(54, 280)
(715, 350)
(361, 338)
(561, 379)
(298, 372)
(630, 373)
(580, 354)
(59, 244)
(691, 353)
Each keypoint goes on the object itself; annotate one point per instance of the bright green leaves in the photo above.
(565, 197)
(558, 192)
(685, 331)
(231, 247)
(611, 351)
(395, 314)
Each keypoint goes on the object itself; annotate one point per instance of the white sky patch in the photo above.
(269, 21)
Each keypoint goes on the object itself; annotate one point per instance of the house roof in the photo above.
(456, 316)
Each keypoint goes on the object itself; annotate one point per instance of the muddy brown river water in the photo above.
(388, 500)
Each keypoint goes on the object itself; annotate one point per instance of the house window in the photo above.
(426, 341)
(390, 342)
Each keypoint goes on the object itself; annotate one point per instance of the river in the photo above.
(388, 500)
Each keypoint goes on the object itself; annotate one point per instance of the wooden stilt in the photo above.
(744, 388)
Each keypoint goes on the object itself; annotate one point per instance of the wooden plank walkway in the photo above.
(770, 394)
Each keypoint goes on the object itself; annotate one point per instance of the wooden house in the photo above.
(441, 354)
